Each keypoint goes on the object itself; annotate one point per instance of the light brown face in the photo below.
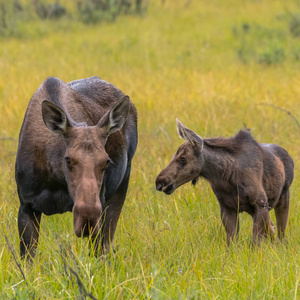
(84, 167)
(184, 167)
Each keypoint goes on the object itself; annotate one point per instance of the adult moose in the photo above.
(244, 175)
(75, 150)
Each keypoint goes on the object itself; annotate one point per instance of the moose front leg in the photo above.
(113, 212)
(230, 221)
(111, 216)
(104, 240)
(29, 226)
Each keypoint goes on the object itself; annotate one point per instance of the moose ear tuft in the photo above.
(188, 135)
(115, 118)
(55, 118)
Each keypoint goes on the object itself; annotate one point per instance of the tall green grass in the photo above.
(181, 61)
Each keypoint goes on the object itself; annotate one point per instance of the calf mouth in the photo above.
(169, 189)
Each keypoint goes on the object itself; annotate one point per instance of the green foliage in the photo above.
(45, 10)
(294, 24)
(273, 54)
(97, 11)
(14, 15)
(7, 21)
(268, 45)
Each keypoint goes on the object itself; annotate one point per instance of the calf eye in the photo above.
(182, 160)
(68, 161)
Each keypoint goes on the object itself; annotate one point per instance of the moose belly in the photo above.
(234, 199)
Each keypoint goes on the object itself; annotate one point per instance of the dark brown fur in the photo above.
(82, 164)
(244, 175)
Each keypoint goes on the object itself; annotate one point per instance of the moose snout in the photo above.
(160, 183)
(159, 186)
(87, 219)
(163, 184)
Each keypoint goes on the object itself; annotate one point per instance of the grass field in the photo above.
(212, 64)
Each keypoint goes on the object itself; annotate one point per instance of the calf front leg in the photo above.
(29, 226)
(262, 224)
(231, 223)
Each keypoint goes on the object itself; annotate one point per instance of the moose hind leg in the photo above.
(282, 213)
(230, 221)
(28, 225)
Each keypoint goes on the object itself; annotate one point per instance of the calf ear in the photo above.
(55, 118)
(189, 135)
(115, 118)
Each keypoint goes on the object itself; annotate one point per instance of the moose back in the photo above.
(75, 150)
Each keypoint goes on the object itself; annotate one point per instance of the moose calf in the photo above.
(244, 175)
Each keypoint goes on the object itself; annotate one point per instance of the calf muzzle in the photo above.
(164, 185)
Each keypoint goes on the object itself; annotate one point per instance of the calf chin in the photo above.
(169, 189)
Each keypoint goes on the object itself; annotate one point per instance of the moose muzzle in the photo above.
(87, 218)
(164, 184)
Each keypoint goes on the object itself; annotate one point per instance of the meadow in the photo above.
(218, 66)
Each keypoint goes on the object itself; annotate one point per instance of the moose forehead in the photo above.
(181, 150)
(186, 149)
(87, 139)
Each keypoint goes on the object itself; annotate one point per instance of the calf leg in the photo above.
(262, 224)
(270, 230)
(29, 226)
(282, 213)
(231, 222)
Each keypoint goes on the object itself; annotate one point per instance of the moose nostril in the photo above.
(160, 185)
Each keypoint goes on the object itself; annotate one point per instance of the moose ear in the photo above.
(55, 118)
(115, 118)
(189, 135)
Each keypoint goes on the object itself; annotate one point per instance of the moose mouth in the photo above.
(169, 189)
(87, 229)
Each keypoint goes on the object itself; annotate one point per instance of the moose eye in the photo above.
(182, 160)
(108, 162)
(68, 161)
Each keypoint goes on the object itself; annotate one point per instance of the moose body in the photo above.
(75, 151)
(244, 175)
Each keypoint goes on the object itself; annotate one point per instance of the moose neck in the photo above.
(218, 165)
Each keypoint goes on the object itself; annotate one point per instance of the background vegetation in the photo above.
(216, 65)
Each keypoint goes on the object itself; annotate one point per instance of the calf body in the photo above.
(75, 150)
(244, 175)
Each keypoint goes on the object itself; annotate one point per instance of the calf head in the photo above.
(186, 163)
(85, 159)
